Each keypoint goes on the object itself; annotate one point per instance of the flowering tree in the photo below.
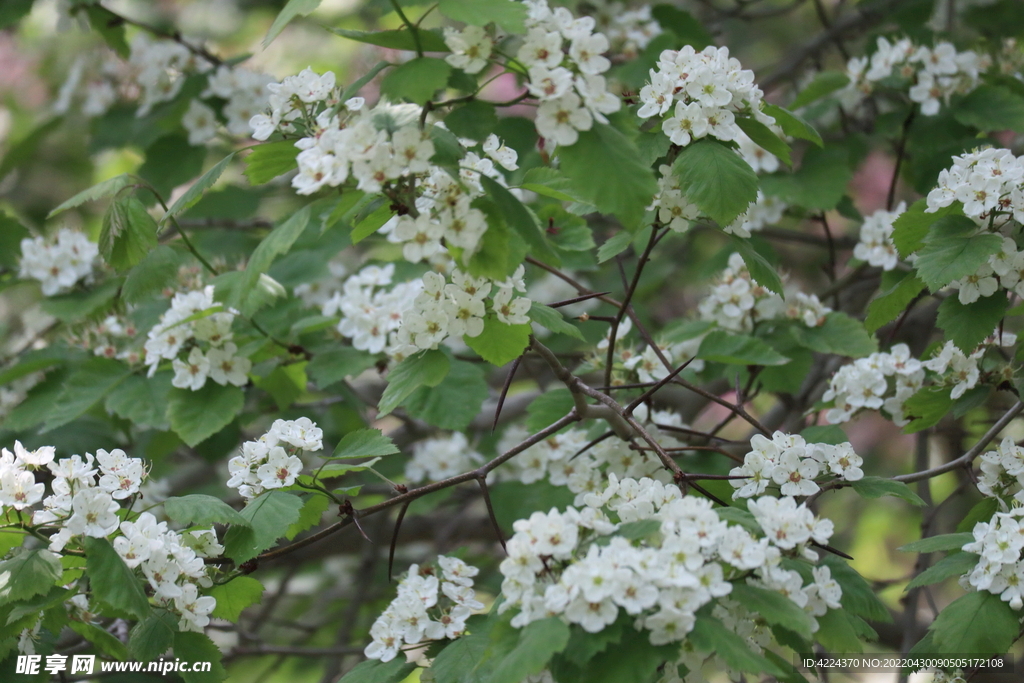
(547, 347)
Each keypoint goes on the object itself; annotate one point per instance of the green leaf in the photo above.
(738, 349)
(550, 183)
(716, 179)
(953, 252)
(632, 660)
(981, 512)
(940, 542)
(198, 647)
(84, 389)
(293, 9)
(538, 642)
(967, 325)
(839, 334)
(499, 343)
(128, 234)
(157, 270)
(710, 635)
(684, 25)
(475, 120)
(552, 319)
(313, 509)
(12, 11)
(234, 596)
(793, 125)
(269, 516)
(548, 408)
(858, 595)
(417, 80)
(956, 564)
(838, 633)
(330, 367)
(820, 183)
(911, 227)
(824, 83)
(364, 443)
(376, 671)
(431, 40)
(197, 415)
(634, 531)
(604, 167)
(876, 487)
(991, 108)
(29, 573)
(507, 14)
(761, 271)
(153, 636)
(192, 195)
(765, 138)
(110, 26)
(773, 607)
(104, 641)
(32, 361)
(423, 369)
(278, 242)
(78, 305)
(976, 624)
(269, 160)
(925, 408)
(141, 400)
(454, 402)
(231, 288)
(170, 162)
(198, 509)
(889, 304)
(615, 245)
(107, 188)
(520, 219)
(111, 581)
(285, 384)
(458, 661)
(830, 434)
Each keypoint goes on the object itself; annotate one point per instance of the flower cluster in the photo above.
(581, 566)
(565, 459)
(192, 323)
(102, 77)
(564, 58)
(85, 500)
(245, 93)
(792, 464)
(865, 383)
(932, 74)
(419, 613)
(423, 313)
(272, 461)
(160, 68)
(440, 457)
(1002, 471)
(876, 245)
(1000, 568)
(628, 30)
(650, 367)
(737, 301)
(701, 93)
(60, 262)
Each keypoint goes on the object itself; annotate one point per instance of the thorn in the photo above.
(481, 480)
(347, 509)
(504, 391)
(576, 300)
(394, 538)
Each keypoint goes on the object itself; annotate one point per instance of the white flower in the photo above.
(279, 470)
(226, 367)
(94, 513)
(561, 119)
(192, 373)
(201, 123)
(471, 47)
